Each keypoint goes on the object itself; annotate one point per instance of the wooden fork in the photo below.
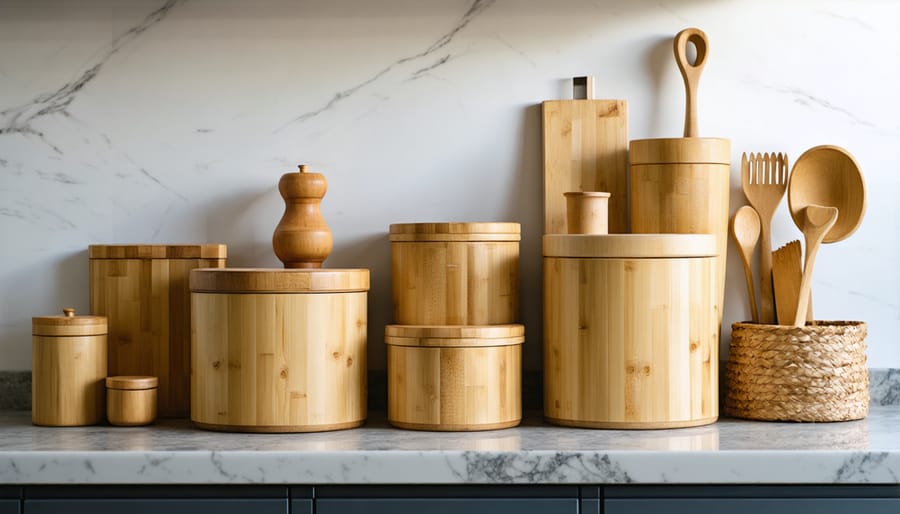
(764, 181)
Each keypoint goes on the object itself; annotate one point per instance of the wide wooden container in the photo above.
(278, 350)
(630, 330)
(454, 378)
(455, 273)
(143, 290)
(131, 401)
(681, 186)
(68, 362)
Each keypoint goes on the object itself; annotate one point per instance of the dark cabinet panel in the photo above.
(157, 506)
(301, 506)
(447, 506)
(9, 506)
(751, 505)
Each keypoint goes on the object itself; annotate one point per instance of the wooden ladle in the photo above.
(745, 229)
(816, 222)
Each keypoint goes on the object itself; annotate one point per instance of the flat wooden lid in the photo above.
(141, 251)
(254, 280)
(132, 382)
(438, 336)
(680, 150)
(630, 246)
(476, 231)
(68, 324)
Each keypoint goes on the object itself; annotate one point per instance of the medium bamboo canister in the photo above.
(630, 330)
(143, 290)
(278, 350)
(681, 186)
(454, 378)
(455, 273)
(68, 360)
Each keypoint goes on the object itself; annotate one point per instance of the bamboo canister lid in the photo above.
(142, 251)
(132, 383)
(455, 336)
(630, 246)
(680, 150)
(68, 324)
(476, 231)
(302, 280)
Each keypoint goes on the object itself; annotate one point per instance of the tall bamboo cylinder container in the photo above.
(454, 378)
(455, 273)
(68, 360)
(143, 290)
(278, 350)
(630, 330)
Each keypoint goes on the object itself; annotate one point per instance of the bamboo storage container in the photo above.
(454, 378)
(68, 360)
(455, 273)
(278, 350)
(143, 290)
(131, 401)
(630, 330)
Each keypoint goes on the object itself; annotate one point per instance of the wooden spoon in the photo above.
(816, 222)
(691, 73)
(745, 229)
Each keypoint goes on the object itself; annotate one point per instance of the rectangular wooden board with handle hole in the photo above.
(585, 149)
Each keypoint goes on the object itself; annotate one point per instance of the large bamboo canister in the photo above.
(278, 350)
(143, 290)
(68, 360)
(454, 378)
(455, 273)
(681, 186)
(630, 330)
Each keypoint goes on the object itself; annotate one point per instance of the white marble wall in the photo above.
(155, 121)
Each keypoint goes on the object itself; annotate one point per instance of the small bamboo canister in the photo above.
(454, 378)
(786, 373)
(131, 400)
(455, 273)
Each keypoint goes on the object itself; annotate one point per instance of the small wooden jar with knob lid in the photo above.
(68, 360)
(131, 400)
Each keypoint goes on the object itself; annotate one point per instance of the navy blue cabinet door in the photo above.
(9, 506)
(157, 506)
(447, 506)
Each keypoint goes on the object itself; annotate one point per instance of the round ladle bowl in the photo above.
(828, 176)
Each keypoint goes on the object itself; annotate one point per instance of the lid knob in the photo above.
(303, 168)
(69, 312)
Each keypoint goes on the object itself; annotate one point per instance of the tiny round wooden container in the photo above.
(278, 350)
(68, 361)
(587, 212)
(630, 330)
(455, 273)
(131, 400)
(454, 378)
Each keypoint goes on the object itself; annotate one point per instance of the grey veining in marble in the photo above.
(884, 386)
(730, 451)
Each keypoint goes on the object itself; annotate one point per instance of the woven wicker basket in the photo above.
(785, 373)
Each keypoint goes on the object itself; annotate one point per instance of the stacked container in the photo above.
(454, 358)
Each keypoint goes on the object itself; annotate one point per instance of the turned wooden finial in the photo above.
(69, 312)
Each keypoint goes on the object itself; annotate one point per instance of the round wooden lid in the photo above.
(132, 382)
(630, 246)
(254, 280)
(680, 150)
(476, 231)
(438, 336)
(141, 251)
(68, 324)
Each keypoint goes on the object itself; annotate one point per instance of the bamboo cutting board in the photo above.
(585, 149)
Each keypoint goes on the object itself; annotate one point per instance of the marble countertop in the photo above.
(730, 451)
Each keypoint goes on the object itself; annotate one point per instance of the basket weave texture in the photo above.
(786, 373)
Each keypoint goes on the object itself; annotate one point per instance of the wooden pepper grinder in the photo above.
(302, 239)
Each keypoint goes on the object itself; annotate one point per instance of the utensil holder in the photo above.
(785, 373)
(587, 212)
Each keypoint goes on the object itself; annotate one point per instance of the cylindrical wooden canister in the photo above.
(278, 350)
(681, 186)
(455, 273)
(143, 290)
(630, 324)
(454, 378)
(68, 360)
(587, 212)
(131, 401)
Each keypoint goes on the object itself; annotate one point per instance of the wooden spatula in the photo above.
(787, 272)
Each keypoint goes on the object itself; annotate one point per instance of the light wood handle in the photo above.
(69, 312)
(691, 73)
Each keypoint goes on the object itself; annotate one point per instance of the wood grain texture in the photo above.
(448, 385)
(131, 407)
(256, 280)
(456, 231)
(67, 380)
(587, 212)
(302, 238)
(817, 222)
(630, 343)
(690, 72)
(146, 251)
(745, 228)
(635, 246)
(787, 270)
(680, 150)
(279, 362)
(147, 302)
(585, 145)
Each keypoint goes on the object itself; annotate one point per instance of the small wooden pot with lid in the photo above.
(131, 400)
(68, 360)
